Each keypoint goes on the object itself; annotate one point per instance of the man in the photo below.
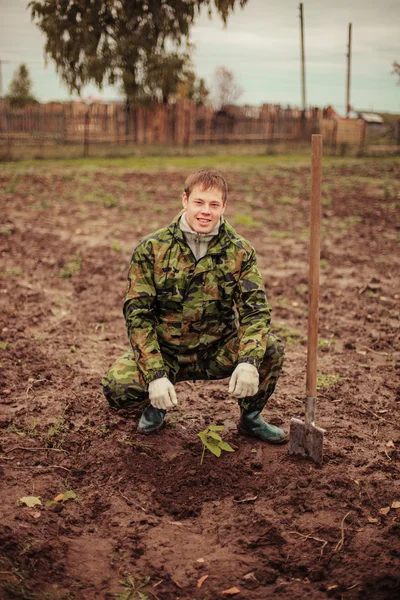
(195, 308)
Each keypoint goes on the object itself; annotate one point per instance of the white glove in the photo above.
(162, 393)
(244, 381)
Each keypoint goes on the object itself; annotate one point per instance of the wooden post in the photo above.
(313, 291)
(363, 135)
(86, 133)
(348, 74)
(303, 66)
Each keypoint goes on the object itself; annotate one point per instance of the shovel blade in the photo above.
(306, 440)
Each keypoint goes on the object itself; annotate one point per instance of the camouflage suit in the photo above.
(194, 320)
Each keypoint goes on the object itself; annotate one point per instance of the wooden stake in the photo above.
(313, 292)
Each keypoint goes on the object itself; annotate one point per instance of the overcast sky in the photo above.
(261, 45)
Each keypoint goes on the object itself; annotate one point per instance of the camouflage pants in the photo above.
(124, 387)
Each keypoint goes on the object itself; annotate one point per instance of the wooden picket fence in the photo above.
(180, 124)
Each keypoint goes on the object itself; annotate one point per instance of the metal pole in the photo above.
(348, 74)
(303, 68)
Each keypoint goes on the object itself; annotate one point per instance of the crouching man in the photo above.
(195, 308)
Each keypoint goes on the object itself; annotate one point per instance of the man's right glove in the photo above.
(244, 381)
(162, 393)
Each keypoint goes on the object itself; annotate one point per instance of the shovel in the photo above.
(305, 438)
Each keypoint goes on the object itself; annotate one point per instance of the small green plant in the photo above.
(327, 201)
(287, 200)
(323, 263)
(301, 289)
(4, 345)
(213, 441)
(327, 380)
(290, 335)
(12, 184)
(279, 234)
(71, 267)
(25, 431)
(135, 588)
(109, 201)
(116, 246)
(5, 231)
(326, 342)
(13, 272)
(246, 220)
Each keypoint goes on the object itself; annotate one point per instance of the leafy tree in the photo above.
(117, 40)
(20, 88)
(226, 90)
(193, 88)
(396, 70)
(160, 77)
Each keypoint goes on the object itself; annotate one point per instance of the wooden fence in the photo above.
(181, 124)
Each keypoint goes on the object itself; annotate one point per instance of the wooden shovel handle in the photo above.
(313, 290)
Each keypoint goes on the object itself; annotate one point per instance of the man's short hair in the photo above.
(207, 179)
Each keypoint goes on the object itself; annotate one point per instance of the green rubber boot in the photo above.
(251, 423)
(151, 420)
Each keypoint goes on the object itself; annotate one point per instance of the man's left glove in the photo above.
(162, 393)
(244, 381)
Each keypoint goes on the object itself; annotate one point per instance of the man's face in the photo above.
(203, 208)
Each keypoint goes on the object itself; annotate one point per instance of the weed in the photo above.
(5, 231)
(213, 441)
(136, 444)
(116, 246)
(327, 201)
(135, 588)
(291, 336)
(283, 301)
(55, 435)
(323, 263)
(109, 201)
(25, 431)
(287, 200)
(12, 185)
(325, 342)
(246, 220)
(4, 345)
(325, 381)
(71, 267)
(301, 289)
(279, 234)
(14, 272)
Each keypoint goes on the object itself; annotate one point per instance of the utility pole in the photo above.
(1, 82)
(303, 67)
(348, 74)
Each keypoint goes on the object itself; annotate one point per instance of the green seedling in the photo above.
(323, 263)
(213, 441)
(325, 381)
(116, 247)
(246, 220)
(136, 588)
(71, 267)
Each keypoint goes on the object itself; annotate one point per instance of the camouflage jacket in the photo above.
(180, 306)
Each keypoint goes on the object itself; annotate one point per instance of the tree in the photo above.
(160, 76)
(396, 71)
(20, 88)
(193, 88)
(226, 90)
(117, 40)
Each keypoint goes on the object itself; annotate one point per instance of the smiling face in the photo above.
(203, 208)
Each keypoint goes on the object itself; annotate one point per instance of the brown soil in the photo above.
(146, 513)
